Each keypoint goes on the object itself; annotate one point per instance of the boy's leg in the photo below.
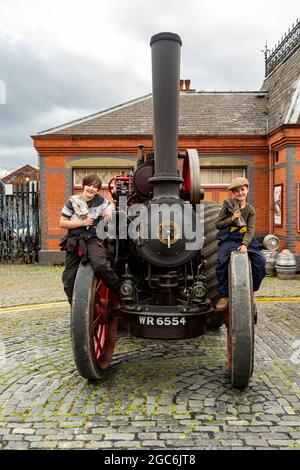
(225, 250)
(68, 277)
(258, 262)
(102, 265)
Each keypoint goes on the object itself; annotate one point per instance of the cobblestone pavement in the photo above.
(157, 394)
(29, 284)
(274, 287)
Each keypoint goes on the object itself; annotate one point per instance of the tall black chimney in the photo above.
(165, 84)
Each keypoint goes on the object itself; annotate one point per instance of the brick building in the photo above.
(250, 133)
(22, 175)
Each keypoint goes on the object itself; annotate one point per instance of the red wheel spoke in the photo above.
(104, 325)
(102, 336)
(99, 343)
(97, 349)
(98, 321)
(100, 333)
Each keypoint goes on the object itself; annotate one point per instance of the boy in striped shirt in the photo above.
(79, 216)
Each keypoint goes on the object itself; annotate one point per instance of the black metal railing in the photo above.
(283, 49)
(19, 225)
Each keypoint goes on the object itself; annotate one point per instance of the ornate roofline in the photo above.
(283, 50)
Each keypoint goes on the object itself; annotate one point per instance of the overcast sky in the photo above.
(64, 59)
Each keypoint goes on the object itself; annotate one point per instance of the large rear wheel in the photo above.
(94, 323)
(240, 325)
(210, 254)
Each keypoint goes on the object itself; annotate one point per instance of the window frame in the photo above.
(221, 185)
(275, 157)
(115, 170)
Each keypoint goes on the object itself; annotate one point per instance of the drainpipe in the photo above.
(271, 173)
(271, 186)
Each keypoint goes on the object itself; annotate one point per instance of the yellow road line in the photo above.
(64, 303)
(278, 299)
(27, 307)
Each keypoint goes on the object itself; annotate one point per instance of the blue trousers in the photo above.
(257, 260)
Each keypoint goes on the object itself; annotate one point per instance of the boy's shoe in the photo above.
(222, 303)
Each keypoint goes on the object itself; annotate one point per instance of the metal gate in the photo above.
(19, 225)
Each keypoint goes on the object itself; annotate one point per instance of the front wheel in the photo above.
(240, 324)
(94, 324)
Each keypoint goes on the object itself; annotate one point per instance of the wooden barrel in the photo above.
(285, 265)
(270, 262)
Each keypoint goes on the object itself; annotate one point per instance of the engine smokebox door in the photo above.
(170, 232)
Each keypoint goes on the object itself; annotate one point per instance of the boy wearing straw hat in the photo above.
(236, 224)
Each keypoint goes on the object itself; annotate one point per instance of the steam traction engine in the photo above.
(165, 249)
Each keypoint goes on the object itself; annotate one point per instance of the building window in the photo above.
(276, 156)
(220, 176)
(105, 174)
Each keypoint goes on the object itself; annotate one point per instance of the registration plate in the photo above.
(148, 320)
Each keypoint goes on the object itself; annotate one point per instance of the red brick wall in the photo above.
(55, 200)
(261, 195)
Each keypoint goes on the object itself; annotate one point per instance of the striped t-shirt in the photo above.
(96, 208)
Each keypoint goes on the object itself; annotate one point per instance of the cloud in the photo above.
(42, 92)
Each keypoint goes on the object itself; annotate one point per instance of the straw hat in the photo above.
(238, 182)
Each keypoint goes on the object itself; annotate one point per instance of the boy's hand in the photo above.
(242, 249)
(107, 212)
(87, 222)
(236, 215)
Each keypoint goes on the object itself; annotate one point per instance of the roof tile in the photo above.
(200, 113)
